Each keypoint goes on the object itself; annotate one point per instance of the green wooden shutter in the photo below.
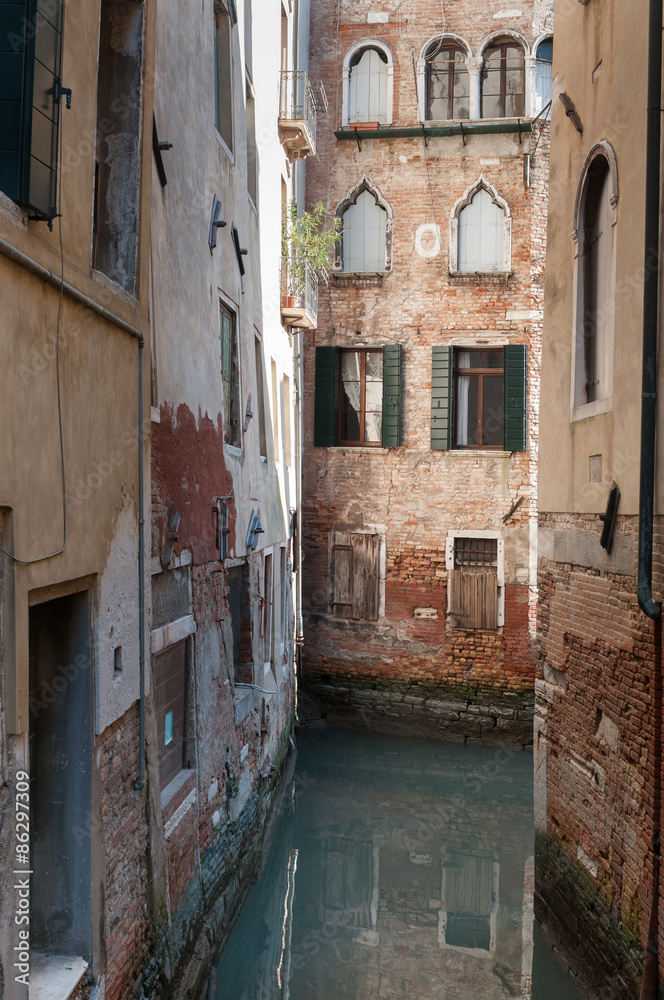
(13, 57)
(391, 433)
(326, 402)
(30, 58)
(442, 398)
(515, 363)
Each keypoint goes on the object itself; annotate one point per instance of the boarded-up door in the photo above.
(355, 575)
(473, 599)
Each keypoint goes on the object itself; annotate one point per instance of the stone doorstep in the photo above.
(55, 977)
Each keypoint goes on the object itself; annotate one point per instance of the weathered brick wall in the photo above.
(594, 718)
(412, 494)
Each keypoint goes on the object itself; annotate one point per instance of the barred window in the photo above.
(480, 553)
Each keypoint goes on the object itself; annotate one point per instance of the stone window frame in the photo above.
(474, 63)
(343, 206)
(366, 529)
(500, 568)
(580, 411)
(353, 50)
(457, 208)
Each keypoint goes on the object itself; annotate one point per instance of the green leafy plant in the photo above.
(307, 237)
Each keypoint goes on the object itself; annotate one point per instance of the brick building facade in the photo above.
(598, 705)
(419, 503)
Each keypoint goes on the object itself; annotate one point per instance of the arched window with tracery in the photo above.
(481, 234)
(504, 80)
(363, 235)
(447, 82)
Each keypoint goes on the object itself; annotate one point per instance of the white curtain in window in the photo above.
(367, 96)
(364, 235)
(543, 88)
(481, 230)
(350, 376)
(463, 386)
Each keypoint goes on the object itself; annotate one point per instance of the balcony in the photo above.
(299, 293)
(298, 109)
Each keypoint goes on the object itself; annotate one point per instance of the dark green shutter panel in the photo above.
(442, 398)
(326, 401)
(30, 57)
(391, 433)
(13, 56)
(515, 397)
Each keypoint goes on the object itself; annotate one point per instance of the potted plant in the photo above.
(306, 238)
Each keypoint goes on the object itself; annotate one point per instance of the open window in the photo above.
(479, 398)
(595, 279)
(543, 75)
(358, 397)
(354, 570)
(223, 71)
(481, 231)
(230, 377)
(118, 150)
(239, 610)
(368, 83)
(504, 79)
(475, 580)
(447, 82)
(31, 56)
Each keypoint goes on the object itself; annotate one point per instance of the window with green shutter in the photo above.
(30, 61)
(358, 397)
(478, 398)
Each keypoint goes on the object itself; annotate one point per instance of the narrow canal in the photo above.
(400, 868)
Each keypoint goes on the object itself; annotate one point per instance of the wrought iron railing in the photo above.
(299, 286)
(297, 100)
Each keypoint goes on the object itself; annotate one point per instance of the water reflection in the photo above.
(399, 868)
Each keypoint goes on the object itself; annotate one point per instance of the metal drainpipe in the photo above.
(650, 979)
(7, 250)
(650, 304)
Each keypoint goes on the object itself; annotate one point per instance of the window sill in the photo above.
(233, 450)
(222, 145)
(357, 279)
(479, 277)
(480, 452)
(593, 409)
(245, 700)
(177, 798)
(55, 977)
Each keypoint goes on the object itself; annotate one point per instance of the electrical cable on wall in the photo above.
(29, 562)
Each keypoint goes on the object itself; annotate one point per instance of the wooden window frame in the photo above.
(168, 773)
(363, 351)
(503, 45)
(354, 590)
(482, 373)
(450, 48)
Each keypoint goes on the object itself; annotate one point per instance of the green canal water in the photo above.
(400, 868)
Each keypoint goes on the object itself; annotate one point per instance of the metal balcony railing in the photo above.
(298, 111)
(299, 292)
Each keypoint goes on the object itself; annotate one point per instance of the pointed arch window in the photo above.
(364, 232)
(447, 82)
(504, 80)
(481, 234)
(367, 86)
